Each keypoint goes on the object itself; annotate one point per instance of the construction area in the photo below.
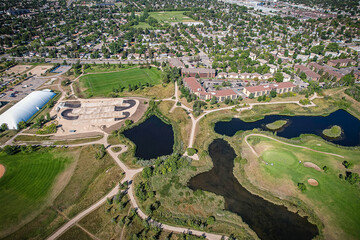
(88, 115)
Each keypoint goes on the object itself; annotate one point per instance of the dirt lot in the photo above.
(41, 69)
(18, 69)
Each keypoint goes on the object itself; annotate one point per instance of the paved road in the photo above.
(89, 61)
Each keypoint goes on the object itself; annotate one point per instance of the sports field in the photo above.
(103, 83)
(27, 183)
(335, 201)
(172, 16)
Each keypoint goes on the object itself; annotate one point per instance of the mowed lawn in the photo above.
(171, 16)
(335, 199)
(103, 83)
(27, 183)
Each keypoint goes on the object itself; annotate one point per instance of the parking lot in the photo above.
(23, 89)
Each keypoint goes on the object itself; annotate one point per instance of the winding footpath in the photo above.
(131, 173)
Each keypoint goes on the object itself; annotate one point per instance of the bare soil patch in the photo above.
(312, 165)
(41, 69)
(18, 69)
(313, 182)
(2, 170)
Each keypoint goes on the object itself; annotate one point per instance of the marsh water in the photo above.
(301, 125)
(153, 138)
(268, 220)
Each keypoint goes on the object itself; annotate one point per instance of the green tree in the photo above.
(273, 93)
(279, 77)
(4, 127)
(213, 100)
(22, 125)
(147, 172)
(301, 187)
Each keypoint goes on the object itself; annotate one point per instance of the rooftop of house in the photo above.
(266, 87)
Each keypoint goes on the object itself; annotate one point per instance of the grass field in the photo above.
(101, 68)
(171, 16)
(85, 181)
(103, 83)
(334, 200)
(27, 183)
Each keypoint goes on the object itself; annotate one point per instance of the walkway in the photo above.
(131, 173)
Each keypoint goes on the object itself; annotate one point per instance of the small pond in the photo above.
(298, 125)
(153, 138)
(268, 220)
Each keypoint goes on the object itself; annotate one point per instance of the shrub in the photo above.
(210, 220)
(301, 187)
(191, 151)
(352, 178)
(347, 164)
(10, 150)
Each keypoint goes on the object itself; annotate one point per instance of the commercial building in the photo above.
(26, 108)
(262, 90)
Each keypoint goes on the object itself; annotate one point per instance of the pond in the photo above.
(268, 220)
(298, 125)
(153, 138)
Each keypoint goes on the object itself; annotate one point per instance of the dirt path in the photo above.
(122, 230)
(285, 143)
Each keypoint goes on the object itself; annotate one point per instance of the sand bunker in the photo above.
(312, 165)
(2, 170)
(313, 182)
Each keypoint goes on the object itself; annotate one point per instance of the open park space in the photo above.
(102, 84)
(281, 167)
(28, 182)
(47, 185)
(171, 16)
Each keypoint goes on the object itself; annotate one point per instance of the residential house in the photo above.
(233, 75)
(222, 75)
(262, 90)
(245, 75)
(310, 75)
(175, 62)
(273, 68)
(267, 76)
(341, 62)
(195, 87)
(287, 77)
